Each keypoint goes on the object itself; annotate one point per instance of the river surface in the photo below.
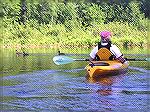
(35, 84)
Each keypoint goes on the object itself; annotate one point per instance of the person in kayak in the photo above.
(105, 50)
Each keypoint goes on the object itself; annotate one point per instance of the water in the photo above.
(35, 83)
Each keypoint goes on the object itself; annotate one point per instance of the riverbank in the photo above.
(17, 46)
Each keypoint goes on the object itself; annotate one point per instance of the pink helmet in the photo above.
(105, 34)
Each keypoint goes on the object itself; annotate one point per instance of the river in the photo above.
(34, 83)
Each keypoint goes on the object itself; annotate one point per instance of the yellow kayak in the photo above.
(99, 68)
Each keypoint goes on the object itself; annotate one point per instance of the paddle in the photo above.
(59, 60)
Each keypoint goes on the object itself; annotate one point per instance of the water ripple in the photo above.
(139, 69)
(58, 91)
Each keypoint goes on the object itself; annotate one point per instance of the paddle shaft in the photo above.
(135, 59)
(81, 59)
(128, 59)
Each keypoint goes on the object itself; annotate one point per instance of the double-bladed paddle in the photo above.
(59, 60)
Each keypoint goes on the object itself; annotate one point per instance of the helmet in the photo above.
(105, 34)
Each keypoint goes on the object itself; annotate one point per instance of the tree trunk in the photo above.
(23, 12)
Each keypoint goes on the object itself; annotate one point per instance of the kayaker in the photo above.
(105, 50)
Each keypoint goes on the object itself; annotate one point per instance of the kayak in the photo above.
(99, 68)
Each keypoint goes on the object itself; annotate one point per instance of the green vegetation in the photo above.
(72, 24)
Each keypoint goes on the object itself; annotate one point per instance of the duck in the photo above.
(25, 54)
(60, 53)
(21, 53)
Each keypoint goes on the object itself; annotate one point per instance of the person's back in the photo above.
(105, 50)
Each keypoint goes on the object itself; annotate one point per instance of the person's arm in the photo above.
(121, 59)
(119, 56)
(91, 59)
(93, 54)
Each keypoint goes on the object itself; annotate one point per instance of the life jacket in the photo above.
(104, 52)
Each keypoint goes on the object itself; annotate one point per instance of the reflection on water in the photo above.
(105, 84)
(35, 84)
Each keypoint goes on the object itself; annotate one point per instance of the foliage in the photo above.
(72, 24)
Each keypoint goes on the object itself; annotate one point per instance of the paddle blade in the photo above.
(148, 59)
(59, 60)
